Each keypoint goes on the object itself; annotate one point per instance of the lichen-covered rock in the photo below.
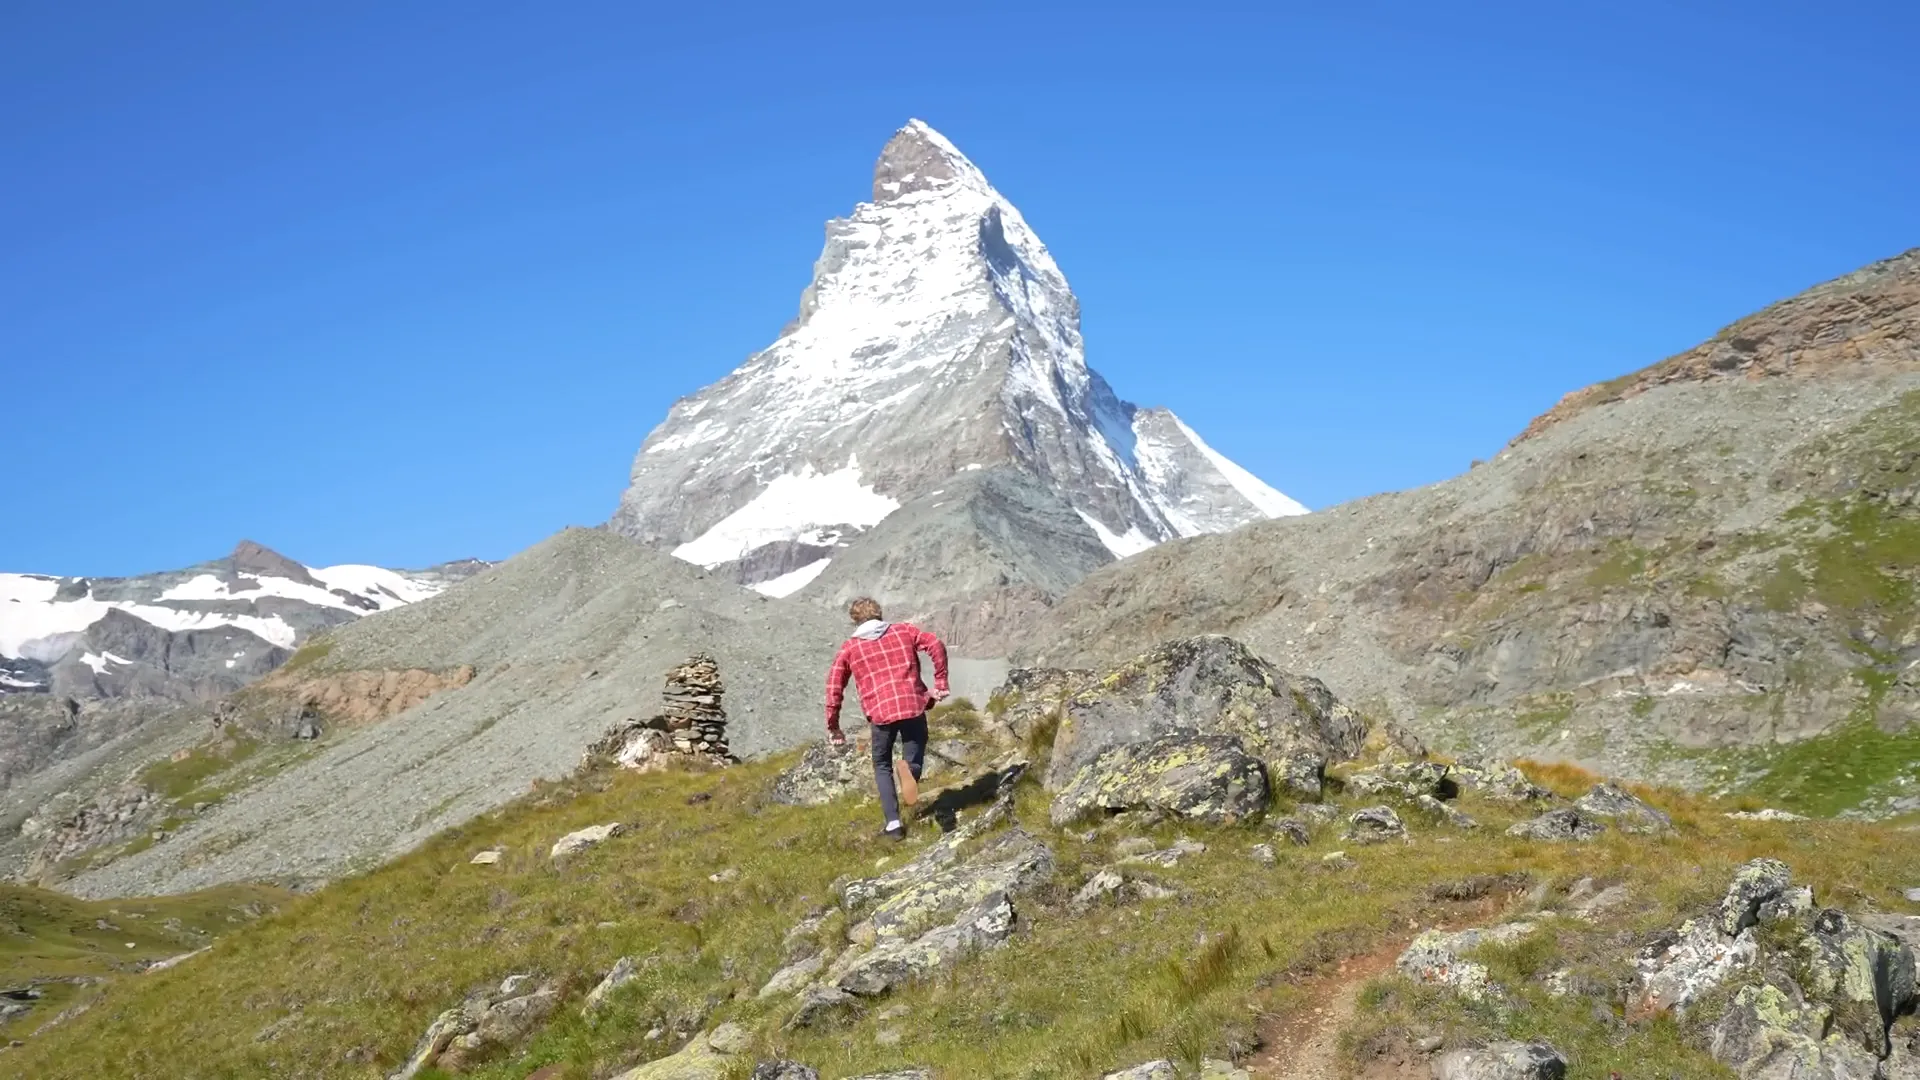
(582, 839)
(1439, 958)
(1497, 780)
(713, 1056)
(1375, 825)
(1753, 885)
(1768, 1033)
(1403, 780)
(945, 851)
(502, 1023)
(445, 1028)
(1868, 976)
(1169, 856)
(1152, 1070)
(1294, 831)
(1010, 864)
(1446, 811)
(1502, 1061)
(1206, 778)
(1032, 696)
(819, 1003)
(824, 773)
(1628, 812)
(1210, 685)
(1298, 776)
(794, 976)
(1100, 886)
(895, 962)
(1564, 823)
(784, 1070)
(1677, 970)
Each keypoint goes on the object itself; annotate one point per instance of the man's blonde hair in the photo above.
(864, 609)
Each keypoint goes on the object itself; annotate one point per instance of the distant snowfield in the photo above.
(802, 506)
(792, 581)
(33, 621)
(1131, 542)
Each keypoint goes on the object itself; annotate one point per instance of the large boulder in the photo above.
(1209, 685)
(1565, 823)
(1011, 863)
(1031, 697)
(713, 1056)
(1207, 778)
(1768, 1033)
(1867, 975)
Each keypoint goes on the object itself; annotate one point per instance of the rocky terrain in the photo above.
(1193, 864)
(1702, 573)
(937, 339)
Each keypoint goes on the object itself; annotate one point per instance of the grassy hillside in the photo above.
(342, 982)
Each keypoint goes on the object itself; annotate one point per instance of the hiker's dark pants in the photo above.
(912, 736)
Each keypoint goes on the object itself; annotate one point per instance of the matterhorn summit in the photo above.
(937, 342)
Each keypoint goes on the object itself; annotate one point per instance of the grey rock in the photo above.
(1445, 811)
(1698, 959)
(1298, 776)
(1010, 864)
(1101, 885)
(1208, 685)
(794, 976)
(1168, 856)
(1263, 854)
(1152, 1070)
(1753, 885)
(1293, 829)
(823, 773)
(1205, 778)
(1402, 780)
(1502, 1061)
(622, 973)
(445, 1028)
(819, 1003)
(1868, 975)
(1439, 958)
(896, 962)
(1912, 895)
(1375, 825)
(1564, 823)
(784, 1070)
(1628, 812)
(581, 839)
(943, 852)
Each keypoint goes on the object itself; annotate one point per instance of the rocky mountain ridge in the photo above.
(938, 338)
(1704, 572)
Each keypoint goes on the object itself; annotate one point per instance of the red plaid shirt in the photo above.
(886, 672)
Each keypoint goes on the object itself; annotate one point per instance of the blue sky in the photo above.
(400, 283)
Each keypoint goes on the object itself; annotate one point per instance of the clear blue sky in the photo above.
(400, 283)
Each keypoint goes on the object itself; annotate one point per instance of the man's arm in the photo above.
(836, 691)
(937, 651)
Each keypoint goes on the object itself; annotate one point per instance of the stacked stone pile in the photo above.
(694, 715)
(694, 723)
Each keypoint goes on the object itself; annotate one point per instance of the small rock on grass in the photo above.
(1293, 829)
(1562, 824)
(1374, 825)
(1337, 860)
(485, 858)
(1263, 854)
(1628, 812)
(1502, 1061)
(1152, 1070)
(784, 1070)
(585, 838)
(1912, 895)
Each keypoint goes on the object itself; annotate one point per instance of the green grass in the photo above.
(52, 941)
(341, 982)
(312, 652)
(177, 779)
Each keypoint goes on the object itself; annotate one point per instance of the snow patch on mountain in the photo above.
(1264, 498)
(793, 580)
(807, 506)
(99, 661)
(1131, 542)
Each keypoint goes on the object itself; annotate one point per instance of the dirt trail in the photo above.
(1306, 1044)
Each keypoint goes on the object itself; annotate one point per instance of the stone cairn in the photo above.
(694, 715)
(693, 723)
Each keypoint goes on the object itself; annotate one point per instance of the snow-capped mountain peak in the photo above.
(937, 336)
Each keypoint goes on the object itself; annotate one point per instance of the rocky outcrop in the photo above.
(1203, 778)
(485, 1021)
(1207, 685)
(1375, 825)
(825, 772)
(581, 839)
(1439, 958)
(715, 1055)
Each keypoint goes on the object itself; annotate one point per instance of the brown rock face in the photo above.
(357, 698)
(1864, 321)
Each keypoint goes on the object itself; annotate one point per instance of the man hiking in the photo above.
(884, 660)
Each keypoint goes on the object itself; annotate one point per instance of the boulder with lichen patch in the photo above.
(1375, 825)
(824, 773)
(1628, 812)
(1442, 958)
(1868, 976)
(1403, 780)
(1207, 685)
(713, 1056)
(1497, 780)
(1564, 823)
(1205, 778)
(1770, 1033)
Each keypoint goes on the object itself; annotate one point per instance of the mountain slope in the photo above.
(1703, 572)
(937, 337)
(520, 668)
